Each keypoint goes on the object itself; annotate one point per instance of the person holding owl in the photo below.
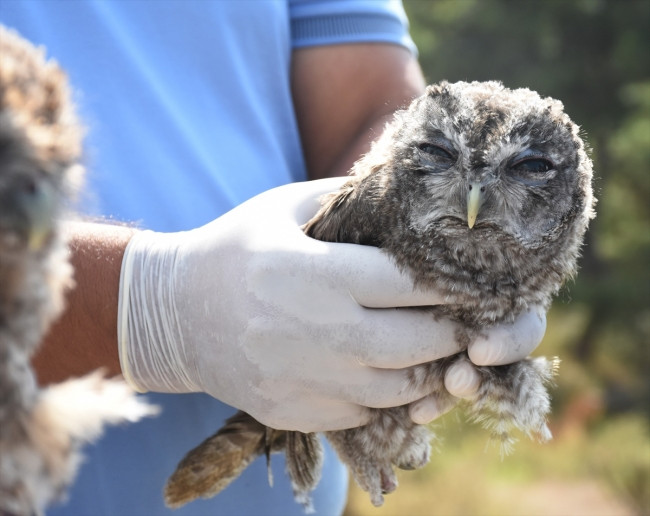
(212, 115)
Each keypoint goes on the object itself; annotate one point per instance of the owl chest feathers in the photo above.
(485, 276)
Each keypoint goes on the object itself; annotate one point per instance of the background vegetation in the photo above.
(594, 55)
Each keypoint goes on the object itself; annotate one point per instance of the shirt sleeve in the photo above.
(327, 22)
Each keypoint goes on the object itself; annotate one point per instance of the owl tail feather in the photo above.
(210, 467)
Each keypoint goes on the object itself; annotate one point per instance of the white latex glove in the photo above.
(287, 328)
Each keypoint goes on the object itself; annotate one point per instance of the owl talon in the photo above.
(388, 480)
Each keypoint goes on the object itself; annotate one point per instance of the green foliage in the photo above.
(622, 456)
(594, 55)
(625, 206)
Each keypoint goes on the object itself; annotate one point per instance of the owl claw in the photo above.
(388, 480)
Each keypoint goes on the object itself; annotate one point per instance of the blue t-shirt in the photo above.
(188, 110)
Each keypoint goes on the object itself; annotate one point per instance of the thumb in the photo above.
(462, 380)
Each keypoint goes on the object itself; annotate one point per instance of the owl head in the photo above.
(40, 145)
(487, 156)
(475, 181)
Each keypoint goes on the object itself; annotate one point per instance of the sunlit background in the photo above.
(594, 55)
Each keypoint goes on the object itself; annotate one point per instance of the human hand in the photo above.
(252, 311)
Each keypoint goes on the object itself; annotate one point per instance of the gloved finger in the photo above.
(293, 205)
(462, 380)
(430, 407)
(370, 274)
(399, 338)
(344, 416)
(507, 343)
(374, 281)
(379, 388)
(304, 198)
(315, 415)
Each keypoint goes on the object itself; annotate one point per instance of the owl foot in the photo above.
(376, 481)
(416, 450)
(413, 461)
(515, 397)
(360, 450)
(388, 480)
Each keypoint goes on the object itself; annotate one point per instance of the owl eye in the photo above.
(533, 166)
(436, 151)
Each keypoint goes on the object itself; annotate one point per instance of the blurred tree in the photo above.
(594, 55)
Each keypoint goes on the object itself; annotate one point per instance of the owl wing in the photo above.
(340, 217)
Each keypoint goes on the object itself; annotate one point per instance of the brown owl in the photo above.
(476, 190)
(42, 431)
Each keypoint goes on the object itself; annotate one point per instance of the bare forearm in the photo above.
(344, 95)
(357, 146)
(85, 337)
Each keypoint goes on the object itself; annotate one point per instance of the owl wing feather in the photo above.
(210, 467)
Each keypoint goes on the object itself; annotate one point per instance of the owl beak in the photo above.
(475, 197)
(37, 238)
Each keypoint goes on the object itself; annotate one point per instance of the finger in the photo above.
(426, 409)
(462, 380)
(296, 202)
(399, 338)
(341, 417)
(373, 279)
(315, 415)
(371, 275)
(380, 388)
(507, 343)
(309, 195)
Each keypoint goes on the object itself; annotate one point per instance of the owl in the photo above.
(41, 430)
(480, 192)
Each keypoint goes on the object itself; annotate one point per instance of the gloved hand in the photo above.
(287, 328)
